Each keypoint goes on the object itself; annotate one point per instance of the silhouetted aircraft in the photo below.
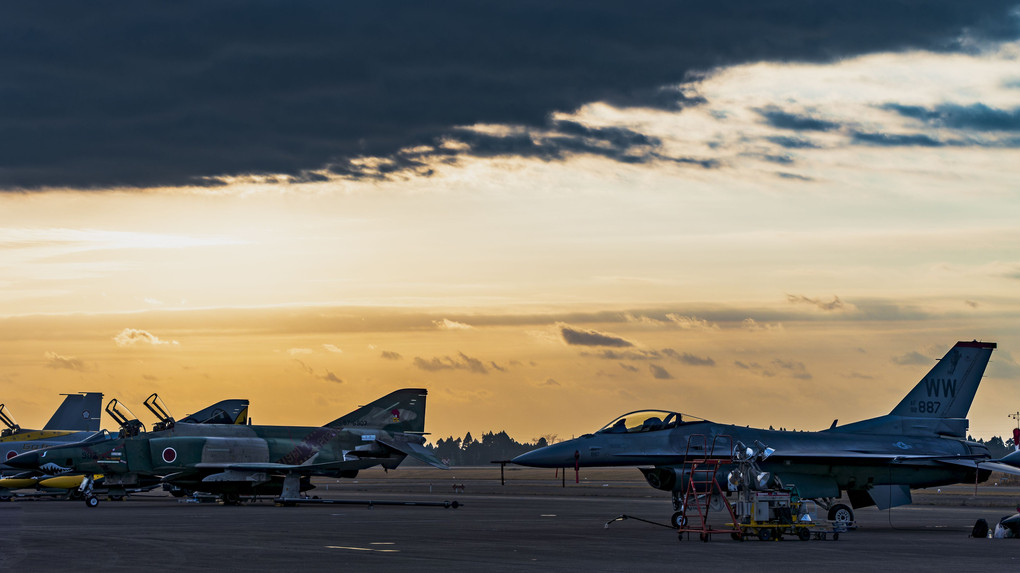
(75, 419)
(921, 443)
(232, 460)
(75, 410)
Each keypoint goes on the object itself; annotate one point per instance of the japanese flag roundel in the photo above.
(169, 455)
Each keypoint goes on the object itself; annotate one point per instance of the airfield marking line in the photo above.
(363, 549)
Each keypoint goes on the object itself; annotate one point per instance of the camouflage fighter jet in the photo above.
(76, 419)
(921, 443)
(87, 406)
(232, 460)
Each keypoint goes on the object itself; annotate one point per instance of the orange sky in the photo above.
(779, 277)
(796, 366)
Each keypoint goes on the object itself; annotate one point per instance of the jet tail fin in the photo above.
(399, 411)
(948, 389)
(80, 412)
(938, 404)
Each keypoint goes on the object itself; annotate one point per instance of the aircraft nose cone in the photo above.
(25, 461)
(547, 457)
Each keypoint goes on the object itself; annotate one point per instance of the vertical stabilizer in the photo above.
(79, 412)
(400, 411)
(948, 389)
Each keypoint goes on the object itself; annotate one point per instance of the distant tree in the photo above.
(996, 447)
(494, 446)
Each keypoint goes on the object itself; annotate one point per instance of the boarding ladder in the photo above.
(700, 470)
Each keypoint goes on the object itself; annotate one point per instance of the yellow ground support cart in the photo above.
(769, 515)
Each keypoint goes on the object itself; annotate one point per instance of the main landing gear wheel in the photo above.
(841, 513)
(91, 501)
(231, 499)
(678, 520)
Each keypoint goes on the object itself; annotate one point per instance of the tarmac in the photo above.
(536, 521)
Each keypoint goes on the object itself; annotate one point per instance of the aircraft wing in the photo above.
(272, 467)
(990, 465)
(416, 451)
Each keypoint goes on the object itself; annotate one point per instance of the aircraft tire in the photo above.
(678, 520)
(841, 513)
(91, 501)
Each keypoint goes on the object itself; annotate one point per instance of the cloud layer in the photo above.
(190, 93)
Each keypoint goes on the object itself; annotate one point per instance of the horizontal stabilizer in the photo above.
(416, 451)
(992, 466)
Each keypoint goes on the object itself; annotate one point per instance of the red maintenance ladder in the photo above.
(701, 466)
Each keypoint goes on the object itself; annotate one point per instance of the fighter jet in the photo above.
(921, 443)
(76, 418)
(232, 460)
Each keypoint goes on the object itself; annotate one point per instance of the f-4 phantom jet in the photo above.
(83, 411)
(232, 460)
(921, 443)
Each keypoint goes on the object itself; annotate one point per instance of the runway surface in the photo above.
(530, 523)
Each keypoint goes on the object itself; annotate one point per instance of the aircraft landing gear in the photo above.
(85, 490)
(231, 498)
(678, 520)
(842, 514)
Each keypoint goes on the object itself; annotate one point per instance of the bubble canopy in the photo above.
(642, 421)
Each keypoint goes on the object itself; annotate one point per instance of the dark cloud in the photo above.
(659, 373)
(461, 362)
(388, 355)
(977, 117)
(146, 93)
(793, 176)
(577, 337)
(777, 367)
(795, 369)
(896, 139)
(688, 358)
(629, 355)
(834, 304)
(330, 377)
(796, 122)
(792, 142)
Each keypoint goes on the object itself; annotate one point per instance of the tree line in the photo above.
(492, 447)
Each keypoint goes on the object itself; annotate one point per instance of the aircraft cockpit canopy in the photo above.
(100, 436)
(642, 421)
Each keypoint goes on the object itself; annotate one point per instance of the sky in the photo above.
(547, 214)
